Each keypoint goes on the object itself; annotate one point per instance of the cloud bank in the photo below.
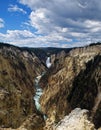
(61, 23)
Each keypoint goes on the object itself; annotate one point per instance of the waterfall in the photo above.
(48, 62)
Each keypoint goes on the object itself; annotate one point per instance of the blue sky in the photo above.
(50, 23)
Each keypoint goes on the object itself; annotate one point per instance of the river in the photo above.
(38, 89)
(38, 93)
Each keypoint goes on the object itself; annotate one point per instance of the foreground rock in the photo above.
(76, 120)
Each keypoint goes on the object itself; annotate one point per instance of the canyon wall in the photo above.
(71, 84)
(73, 81)
(18, 70)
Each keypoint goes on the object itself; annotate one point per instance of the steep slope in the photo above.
(73, 81)
(18, 70)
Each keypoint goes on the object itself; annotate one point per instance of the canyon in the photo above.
(50, 88)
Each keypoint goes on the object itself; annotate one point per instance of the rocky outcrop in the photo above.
(18, 69)
(73, 81)
(76, 120)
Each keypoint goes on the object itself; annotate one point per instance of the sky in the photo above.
(50, 23)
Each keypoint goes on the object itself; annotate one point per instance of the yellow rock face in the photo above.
(74, 81)
(17, 72)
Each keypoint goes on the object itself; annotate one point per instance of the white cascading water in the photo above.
(48, 62)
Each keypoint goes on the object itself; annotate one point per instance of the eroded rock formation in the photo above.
(73, 81)
(17, 72)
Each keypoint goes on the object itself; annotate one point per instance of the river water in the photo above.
(38, 93)
(38, 89)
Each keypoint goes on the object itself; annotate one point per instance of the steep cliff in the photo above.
(74, 81)
(18, 69)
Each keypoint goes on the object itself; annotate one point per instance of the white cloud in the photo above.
(15, 8)
(19, 33)
(78, 20)
(39, 20)
(58, 23)
(92, 23)
(26, 38)
(16, 35)
(1, 23)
